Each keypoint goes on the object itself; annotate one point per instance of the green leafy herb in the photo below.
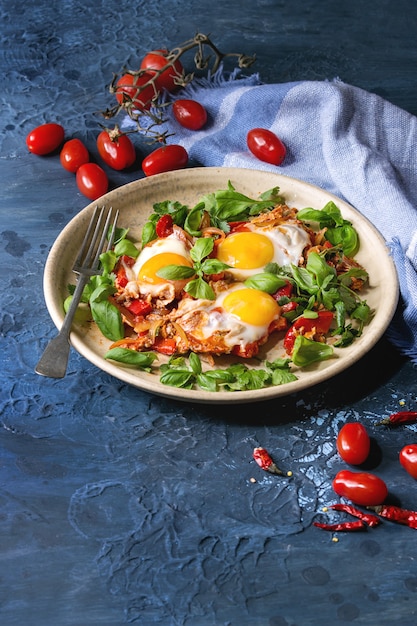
(306, 351)
(237, 377)
(198, 287)
(265, 281)
(142, 360)
(340, 232)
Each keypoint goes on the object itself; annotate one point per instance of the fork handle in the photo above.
(54, 360)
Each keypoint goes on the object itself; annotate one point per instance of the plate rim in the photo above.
(197, 395)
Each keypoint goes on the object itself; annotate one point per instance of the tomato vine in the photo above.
(148, 119)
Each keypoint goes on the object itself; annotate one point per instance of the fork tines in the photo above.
(100, 229)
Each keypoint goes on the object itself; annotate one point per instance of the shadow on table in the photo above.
(366, 377)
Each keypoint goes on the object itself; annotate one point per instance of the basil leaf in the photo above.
(306, 351)
(202, 248)
(108, 261)
(126, 247)
(213, 266)
(176, 272)
(101, 293)
(208, 383)
(265, 281)
(198, 288)
(148, 232)
(192, 222)
(344, 236)
(333, 211)
(143, 360)
(177, 378)
(314, 215)
(108, 319)
(195, 363)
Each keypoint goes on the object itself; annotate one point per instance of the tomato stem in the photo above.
(156, 115)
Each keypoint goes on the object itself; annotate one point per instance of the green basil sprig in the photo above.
(198, 287)
(340, 232)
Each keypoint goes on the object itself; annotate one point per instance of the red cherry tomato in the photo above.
(127, 90)
(190, 114)
(353, 443)
(73, 154)
(92, 180)
(165, 159)
(118, 153)
(360, 487)
(266, 146)
(408, 459)
(45, 139)
(155, 61)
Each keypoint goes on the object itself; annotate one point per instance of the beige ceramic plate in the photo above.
(135, 202)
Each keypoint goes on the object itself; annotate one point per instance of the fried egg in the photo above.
(160, 253)
(237, 317)
(247, 252)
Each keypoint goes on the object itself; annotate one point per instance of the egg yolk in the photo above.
(246, 250)
(147, 272)
(252, 306)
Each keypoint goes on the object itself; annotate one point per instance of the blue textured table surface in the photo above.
(117, 506)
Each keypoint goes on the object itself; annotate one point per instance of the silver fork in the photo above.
(54, 360)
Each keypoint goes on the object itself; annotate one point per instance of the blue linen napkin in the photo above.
(341, 138)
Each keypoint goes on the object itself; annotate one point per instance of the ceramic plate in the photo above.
(135, 201)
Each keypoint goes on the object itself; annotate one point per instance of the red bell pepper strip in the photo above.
(303, 325)
(139, 307)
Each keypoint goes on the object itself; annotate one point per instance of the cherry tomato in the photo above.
(266, 146)
(155, 61)
(165, 159)
(45, 139)
(92, 180)
(127, 90)
(353, 443)
(408, 459)
(190, 114)
(360, 487)
(118, 153)
(73, 154)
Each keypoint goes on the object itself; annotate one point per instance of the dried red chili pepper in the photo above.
(396, 514)
(265, 461)
(342, 526)
(402, 417)
(368, 518)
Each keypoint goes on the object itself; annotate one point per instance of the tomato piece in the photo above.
(360, 487)
(133, 88)
(266, 146)
(116, 149)
(353, 443)
(45, 138)
(190, 114)
(92, 180)
(302, 325)
(166, 346)
(165, 159)
(139, 307)
(156, 60)
(408, 459)
(164, 226)
(73, 155)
